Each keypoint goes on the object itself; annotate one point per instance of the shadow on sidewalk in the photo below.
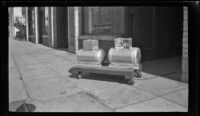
(65, 50)
(168, 67)
(104, 77)
(21, 106)
(19, 39)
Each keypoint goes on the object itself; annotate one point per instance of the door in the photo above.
(157, 31)
(169, 24)
(31, 21)
(44, 27)
(62, 39)
(144, 31)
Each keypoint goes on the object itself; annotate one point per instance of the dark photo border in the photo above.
(194, 23)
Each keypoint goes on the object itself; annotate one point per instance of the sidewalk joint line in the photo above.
(62, 96)
(136, 103)
(99, 100)
(172, 101)
(28, 99)
(162, 94)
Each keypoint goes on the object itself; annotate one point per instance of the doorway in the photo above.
(31, 23)
(44, 26)
(169, 31)
(157, 31)
(146, 37)
(62, 26)
(141, 27)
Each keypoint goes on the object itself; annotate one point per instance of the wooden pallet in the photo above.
(128, 73)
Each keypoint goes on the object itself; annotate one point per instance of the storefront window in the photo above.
(103, 20)
(44, 20)
(32, 21)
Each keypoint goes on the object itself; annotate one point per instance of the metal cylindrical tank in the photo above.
(130, 56)
(91, 56)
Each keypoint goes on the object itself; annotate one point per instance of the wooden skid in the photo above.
(128, 73)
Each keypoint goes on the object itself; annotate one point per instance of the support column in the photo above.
(184, 76)
(71, 28)
(36, 26)
(52, 27)
(76, 24)
(90, 19)
(27, 25)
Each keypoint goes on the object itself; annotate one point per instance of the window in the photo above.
(31, 21)
(103, 20)
(44, 13)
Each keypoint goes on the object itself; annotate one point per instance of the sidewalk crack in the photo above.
(98, 100)
(28, 99)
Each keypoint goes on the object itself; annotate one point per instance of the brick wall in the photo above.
(184, 76)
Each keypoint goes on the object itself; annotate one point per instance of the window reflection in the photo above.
(104, 20)
(44, 13)
(46, 20)
(32, 21)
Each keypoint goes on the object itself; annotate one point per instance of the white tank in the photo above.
(95, 56)
(125, 57)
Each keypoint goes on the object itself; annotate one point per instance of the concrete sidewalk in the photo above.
(39, 75)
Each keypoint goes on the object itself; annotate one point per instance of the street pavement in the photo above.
(38, 75)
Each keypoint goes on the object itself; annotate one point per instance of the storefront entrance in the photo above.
(62, 23)
(44, 26)
(31, 21)
(157, 31)
(169, 31)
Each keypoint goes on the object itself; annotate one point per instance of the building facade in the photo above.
(49, 26)
(159, 32)
(11, 22)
